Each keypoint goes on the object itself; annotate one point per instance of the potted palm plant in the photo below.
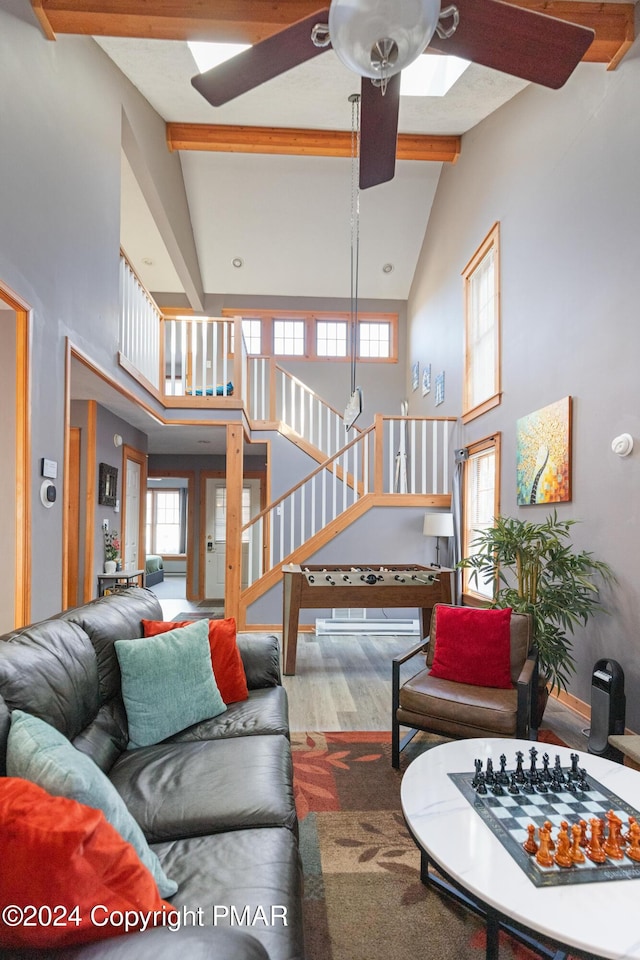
(535, 569)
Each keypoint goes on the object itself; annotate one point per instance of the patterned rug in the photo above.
(363, 896)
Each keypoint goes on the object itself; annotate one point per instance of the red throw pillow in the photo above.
(226, 661)
(67, 875)
(473, 645)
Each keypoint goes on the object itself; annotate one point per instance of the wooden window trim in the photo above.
(492, 240)
(494, 441)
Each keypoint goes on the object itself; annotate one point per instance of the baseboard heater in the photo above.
(340, 625)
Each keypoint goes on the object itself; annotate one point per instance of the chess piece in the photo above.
(541, 785)
(482, 783)
(557, 767)
(583, 783)
(626, 838)
(513, 785)
(583, 833)
(519, 771)
(577, 856)
(633, 850)
(563, 851)
(527, 786)
(497, 789)
(478, 765)
(549, 826)
(573, 772)
(612, 845)
(502, 776)
(594, 847)
(530, 844)
(544, 774)
(490, 775)
(543, 856)
(533, 753)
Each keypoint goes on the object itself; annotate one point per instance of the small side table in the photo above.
(115, 581)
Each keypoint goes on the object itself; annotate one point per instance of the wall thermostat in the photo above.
(49, 468)
(48, 493)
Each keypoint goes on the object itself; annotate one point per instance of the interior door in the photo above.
(215, 541)
(131, 533)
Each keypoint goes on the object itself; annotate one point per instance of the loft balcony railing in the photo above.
(140, 325)
(396, 455)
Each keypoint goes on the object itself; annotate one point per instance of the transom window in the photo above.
(482, 328)
(319, 336)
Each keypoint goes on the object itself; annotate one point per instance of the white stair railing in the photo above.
(139, 325)
(416, 455)
(199, 357)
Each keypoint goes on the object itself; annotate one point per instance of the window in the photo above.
(220, 526)
(481, 504)
(252, 333)
(482, 328)
(374, 339)
(331, 338)
(288, 338)
(319, 336)
(166, 521)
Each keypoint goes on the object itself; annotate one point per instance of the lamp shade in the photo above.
(438, 525)
(379, 38)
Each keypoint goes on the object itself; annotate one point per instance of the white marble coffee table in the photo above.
(600, 919)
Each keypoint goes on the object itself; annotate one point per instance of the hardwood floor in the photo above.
(344, 683)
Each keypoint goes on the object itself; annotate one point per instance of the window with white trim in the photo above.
(481, 503)
(166, 529)
(482, 328)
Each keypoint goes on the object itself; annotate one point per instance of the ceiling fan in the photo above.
(376, 39)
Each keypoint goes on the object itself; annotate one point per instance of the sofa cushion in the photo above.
(167, 683)
(477, 711)
(265, 711)
(50, 670)
(37, 752)
(252, 869)
(58, 853)
(473, 646)
(165, 943)
(261, 659)
(177, 790)
(225, 656)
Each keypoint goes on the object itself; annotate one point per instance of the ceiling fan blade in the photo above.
(521, 42)
(261, 62)
(378, 131)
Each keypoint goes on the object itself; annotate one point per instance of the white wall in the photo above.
(559, 170)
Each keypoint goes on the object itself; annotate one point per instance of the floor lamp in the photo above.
(438, 525)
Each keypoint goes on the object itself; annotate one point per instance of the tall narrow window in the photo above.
(166, 521)
(482, 328)
(481, 504)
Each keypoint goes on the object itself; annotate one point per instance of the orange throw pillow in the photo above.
(226, 661)
(67, 875)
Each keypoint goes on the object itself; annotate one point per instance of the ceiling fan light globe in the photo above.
(359, 28)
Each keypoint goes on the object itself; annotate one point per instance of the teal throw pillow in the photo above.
(39, 753)
(168, 683)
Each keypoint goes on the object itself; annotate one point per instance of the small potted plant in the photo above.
(535, 569)
(111, 551)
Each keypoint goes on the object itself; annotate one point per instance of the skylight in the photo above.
(431, 76)
(208, 55)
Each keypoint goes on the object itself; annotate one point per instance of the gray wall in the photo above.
(559, 170)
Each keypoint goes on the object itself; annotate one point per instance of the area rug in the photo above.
(200, 615)
(363, 897)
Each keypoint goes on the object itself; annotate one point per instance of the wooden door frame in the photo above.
(22, 557)
(191, 521)
(73, 601)
(137, 456)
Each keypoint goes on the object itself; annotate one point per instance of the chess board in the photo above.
(508, 816)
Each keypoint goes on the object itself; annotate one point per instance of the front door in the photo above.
(215, 540)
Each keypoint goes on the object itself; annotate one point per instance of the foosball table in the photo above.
(359, 585)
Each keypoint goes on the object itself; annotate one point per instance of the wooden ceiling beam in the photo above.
(219, 138)
(247, 21)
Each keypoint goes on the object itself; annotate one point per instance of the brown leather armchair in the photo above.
(425, 702)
